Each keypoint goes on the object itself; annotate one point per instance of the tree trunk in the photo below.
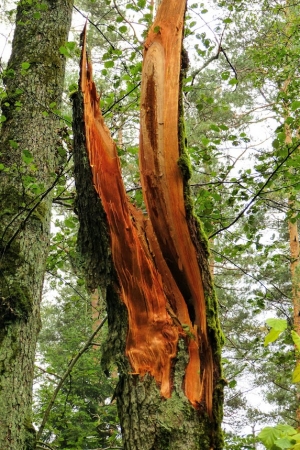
(28, 140)
(294, 252)
(162, 311)
(294, 266)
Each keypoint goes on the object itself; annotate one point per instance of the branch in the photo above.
(127, 21)
(64, 377)
(40, 444)
(23, 223)
(227, 59)
(211, 59)
(252, 276)
(56, 275)
(122, 98)
(47, 372)
(103, 35)
(248, 205)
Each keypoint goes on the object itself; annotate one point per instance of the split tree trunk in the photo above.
(163, 327)
(28, 140)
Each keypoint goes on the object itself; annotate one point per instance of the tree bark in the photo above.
(28, 140)
(294, 252)
(162, 311)
(295, 277)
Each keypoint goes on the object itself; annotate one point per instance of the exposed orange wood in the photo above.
(155, 259)
(152, 336)
(162, 179)
(295, 253)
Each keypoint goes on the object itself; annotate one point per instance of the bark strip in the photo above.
(152, 337)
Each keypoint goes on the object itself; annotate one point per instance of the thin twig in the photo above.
(23, 223)
(252, 276)
(64, 377)
(47, 372)
(127, 21)
(259, 192)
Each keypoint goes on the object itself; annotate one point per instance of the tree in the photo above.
(162, 312)
(33, 88)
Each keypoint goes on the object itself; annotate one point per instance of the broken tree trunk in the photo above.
(163, 328)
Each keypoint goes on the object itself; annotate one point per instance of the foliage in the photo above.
(83, 415)
(281, 436)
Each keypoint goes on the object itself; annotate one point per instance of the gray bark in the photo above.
(28, 142)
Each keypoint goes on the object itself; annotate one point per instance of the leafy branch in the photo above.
(65, 376)
(259, 192)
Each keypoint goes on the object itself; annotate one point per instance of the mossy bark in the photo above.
(28, 140)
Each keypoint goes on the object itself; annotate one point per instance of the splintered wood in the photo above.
(155, 259)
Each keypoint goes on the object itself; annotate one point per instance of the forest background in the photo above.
(241, 100)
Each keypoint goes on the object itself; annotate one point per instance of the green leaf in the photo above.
(277, 324)
(205, 141)
(223, 127)
(2, 166)
(70, 222)
(286, 430)
(283, 443)
(64, 51)
(281, 136)
(214, 127)
(296, 339)
(13, 144)
(225, 75)
(25, 65)
(2, 118)
(268, 436)
(232, 384)
(156, 29)
(295, 105)
(70, 45)
(123, 29)
(296, 375)
(27, 156)
(233, 81)
(109, 64)
(271, 336)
